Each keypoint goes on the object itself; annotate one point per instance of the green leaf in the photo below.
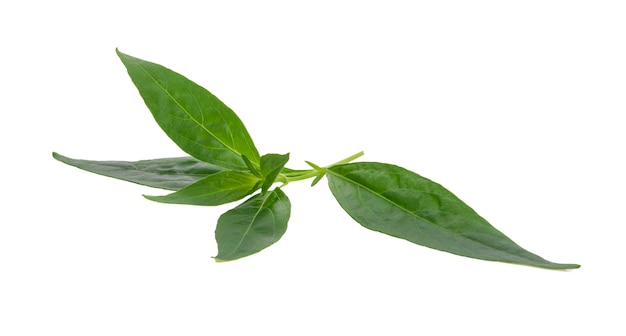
(400, 203)
(198, 122)
(271, 165)
(318, 178)
(321, 172)
(252, 167)
(253, 225)
(220, 188)
(289, 171)
(169, 173)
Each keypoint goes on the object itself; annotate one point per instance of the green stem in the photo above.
(309, 174)
(306, 174)
(348, 159)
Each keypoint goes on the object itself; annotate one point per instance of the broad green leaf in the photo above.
(169, 173)
(400, 203)
(253, 225)
(219, 188)
(271, 165)
(198, 122)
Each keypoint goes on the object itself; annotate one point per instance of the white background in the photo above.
(515, 106)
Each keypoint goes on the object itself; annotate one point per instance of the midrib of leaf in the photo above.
(256, 214)
(214, 160)
(136, 168)
(189, 115)
(219, 112)
(425, 220)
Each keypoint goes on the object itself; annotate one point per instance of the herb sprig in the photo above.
(225, 166)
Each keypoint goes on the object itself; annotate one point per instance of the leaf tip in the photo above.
(314, 166)
(59, 157)
(122, 55)
(152, 198)
(555, 266)
(573, 266)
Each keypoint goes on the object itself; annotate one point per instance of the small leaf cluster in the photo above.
(223, 166)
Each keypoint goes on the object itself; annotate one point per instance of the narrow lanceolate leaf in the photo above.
(219, 188)
(169, 173)
(198, 122)
(321, 172)
(271, 165)
(253, 225)
(398, 202)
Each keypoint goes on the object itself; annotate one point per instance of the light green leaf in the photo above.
(320, 172)
(220, 188)
(169, 173)
(253, 225)
(400, 203)
(198, 122)
(271, 165)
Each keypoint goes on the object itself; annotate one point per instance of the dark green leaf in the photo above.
(198, 122)
(220, 188)
(169, 173)
(271, 165)
(398, 202)
(253, 225)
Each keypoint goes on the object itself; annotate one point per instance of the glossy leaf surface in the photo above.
(253, 225)
(198, 122)
(271, 165)
(219, 188)
(400, 203)
(168, 173)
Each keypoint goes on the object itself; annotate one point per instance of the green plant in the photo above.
(225, 166)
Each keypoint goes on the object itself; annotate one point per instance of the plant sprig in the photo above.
(225, 166)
